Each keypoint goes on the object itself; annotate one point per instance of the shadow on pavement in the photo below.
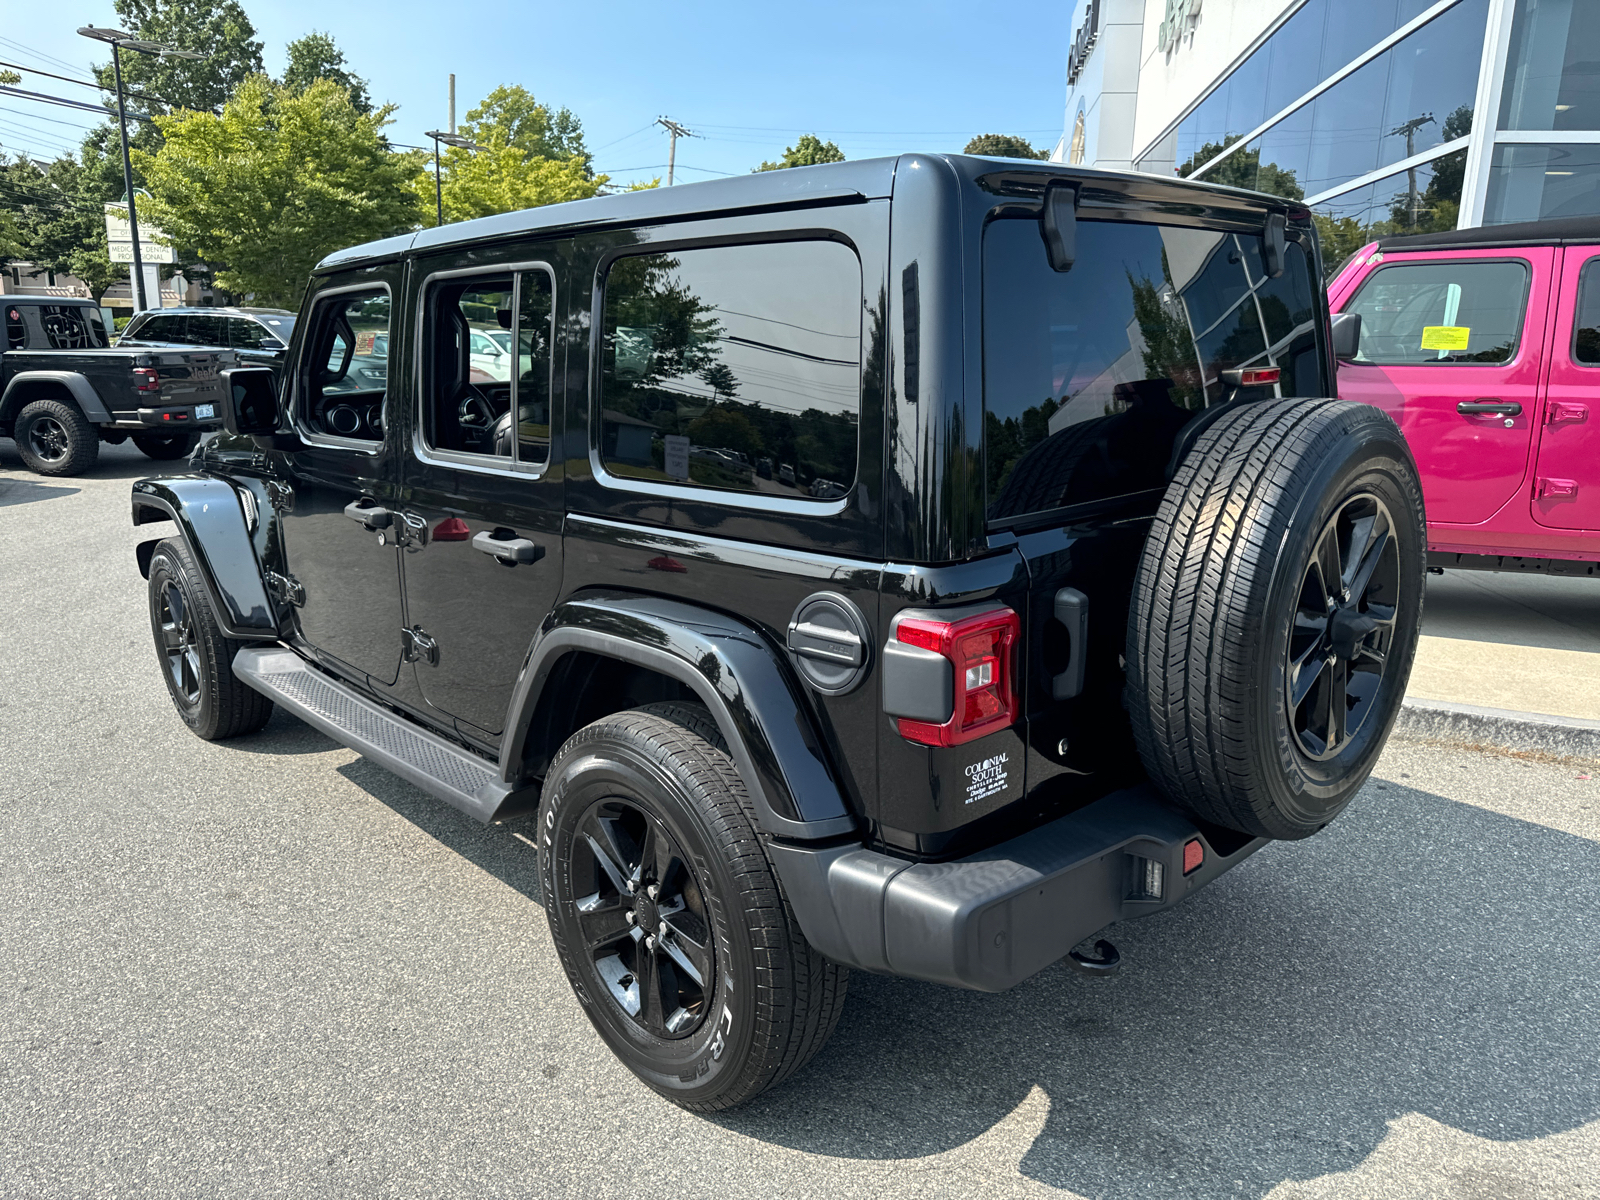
(285, 733)
(1556, 612)
(25, 491)
(1267, 1030)
(115, 462)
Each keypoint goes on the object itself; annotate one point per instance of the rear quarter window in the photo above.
(1089, 375)
(1586, 323)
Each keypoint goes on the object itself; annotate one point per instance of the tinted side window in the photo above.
(342, 381)
(68, 327)
(160, 329)
(1586, 336)
(735, 367)
(16, 331)
(1089, 375)
(1452, 311)
(207, 329)
(478, 399)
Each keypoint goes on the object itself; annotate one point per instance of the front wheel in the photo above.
(196, 658)
(164, 447)
(669, 920)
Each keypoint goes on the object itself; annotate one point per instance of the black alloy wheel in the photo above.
(1344, 625)
(181, 655)
(644, 924)
(48, 440)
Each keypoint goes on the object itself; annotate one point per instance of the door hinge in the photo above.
(1565, 410)
(417, 645)
(1556, 487)
(280, 496)
(286, 589)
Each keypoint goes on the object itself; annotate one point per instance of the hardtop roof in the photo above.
(1561, 231)
(845, 182)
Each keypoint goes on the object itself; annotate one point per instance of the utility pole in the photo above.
(674, 131)
(1409, 132)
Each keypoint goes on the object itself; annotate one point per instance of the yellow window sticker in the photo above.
(1445, 337)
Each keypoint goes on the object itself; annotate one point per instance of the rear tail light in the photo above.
(982, 653)
(1252, 376)
(145, 379)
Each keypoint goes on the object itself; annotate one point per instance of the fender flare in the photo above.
(82, 391)
(734, 673)
(211, 522)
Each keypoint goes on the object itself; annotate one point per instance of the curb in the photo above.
(1568, 737)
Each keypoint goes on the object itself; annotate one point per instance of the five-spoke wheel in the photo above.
(175, 626)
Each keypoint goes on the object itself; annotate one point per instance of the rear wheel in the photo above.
(669, 920)
(54, 438)
(196, 659)
(166, 446)
(1275, 614)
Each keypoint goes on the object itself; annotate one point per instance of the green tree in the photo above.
(1003, 145)
(726, 427)
(807, 152)
(531, 156)
(276, 182)
(1243, 169)
(58, 221)
(216, 29)
(314, 57)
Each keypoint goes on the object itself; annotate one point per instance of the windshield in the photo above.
(279, 325)
(1089, 374)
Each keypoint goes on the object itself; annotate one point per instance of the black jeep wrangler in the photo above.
(913, 565)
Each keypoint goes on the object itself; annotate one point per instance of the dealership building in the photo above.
(1385, 116)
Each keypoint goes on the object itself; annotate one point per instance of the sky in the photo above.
(748, 77)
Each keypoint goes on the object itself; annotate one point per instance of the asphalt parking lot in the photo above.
(269, 968)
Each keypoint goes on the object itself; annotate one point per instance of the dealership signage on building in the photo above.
(1180, 15)
(1083, 42)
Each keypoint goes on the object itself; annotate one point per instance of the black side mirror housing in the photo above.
(249, 400)
(1346, 335)
(1274, 244)
(1058, 223)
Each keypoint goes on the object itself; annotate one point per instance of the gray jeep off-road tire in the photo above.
(196, 658)
(54, 438)
(670, 922)
(164, 447)
(1275, 614)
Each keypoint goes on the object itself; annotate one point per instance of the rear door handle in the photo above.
(369, 514)
(509, 550)
(1472, 408)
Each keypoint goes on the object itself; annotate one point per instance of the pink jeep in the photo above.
(1484, 344)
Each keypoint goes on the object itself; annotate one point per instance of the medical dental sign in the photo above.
(1180, 15)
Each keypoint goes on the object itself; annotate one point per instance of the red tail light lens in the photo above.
(982, 653)
(1259, 376)
(145, 379)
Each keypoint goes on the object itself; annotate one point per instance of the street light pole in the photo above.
(127, 182)
(450, 138)
(117, 39)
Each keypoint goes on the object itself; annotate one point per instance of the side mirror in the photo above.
(249, 400)
(1058, 224)
(1346, 335)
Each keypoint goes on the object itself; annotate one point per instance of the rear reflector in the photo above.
(1194, 855)
(1259, 376)
(982, 654)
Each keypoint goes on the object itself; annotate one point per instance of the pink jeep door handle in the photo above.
(1473, 408)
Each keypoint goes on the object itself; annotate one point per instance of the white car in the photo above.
(491, 355)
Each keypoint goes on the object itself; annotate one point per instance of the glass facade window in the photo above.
(1533, 182)
(1553, 67)
(1460, 311)
(1416, 95)
(1317, 41)
(1424, 199)
(1089, 375)
(735, 367)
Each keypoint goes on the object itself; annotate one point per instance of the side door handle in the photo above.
(1472, 408)
(509, 550)
(369, 514)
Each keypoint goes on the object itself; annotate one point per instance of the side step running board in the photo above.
(416, 755)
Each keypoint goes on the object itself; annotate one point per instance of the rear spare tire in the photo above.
(1275, 614)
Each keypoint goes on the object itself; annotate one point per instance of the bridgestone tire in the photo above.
(163, 447)
(196, 659)
(54, 438)
(1224, 618)
(770, 1001)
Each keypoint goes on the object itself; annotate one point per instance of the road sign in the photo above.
(153, 246)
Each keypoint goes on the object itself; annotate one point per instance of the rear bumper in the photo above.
(989, 921)
(171, 416)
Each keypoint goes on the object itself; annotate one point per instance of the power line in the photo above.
(89, 83)
(867, 132)
(625, 137)
(44, 98)
(39, 54)
(50, 120)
